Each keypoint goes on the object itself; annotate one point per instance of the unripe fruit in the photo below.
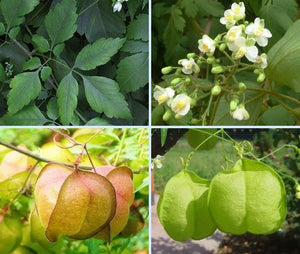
(242, 86)
(166, 70)
(167, 115)
(191, 55)
(261, 78)
(182, 207)
(121, 179)
(10, 234)
(248, 198)
(222, 47)
(74, 203)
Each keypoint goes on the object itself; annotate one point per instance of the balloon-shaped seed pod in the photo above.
(248, 198)
(10, 234)
(121, 179)
(74, 203)
(182, 207)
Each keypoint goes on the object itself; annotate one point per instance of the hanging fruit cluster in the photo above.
(81, 204)
(250, 197)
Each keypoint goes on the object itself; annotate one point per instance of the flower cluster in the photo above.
(117, 5)
(239, 46)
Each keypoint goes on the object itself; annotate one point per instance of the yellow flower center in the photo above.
(240, 53)
(205, 47)
(162, 98)
(259, 31)
(237, 10)
(179, 105)
(189, 66)
(232, 35)
(229, 18)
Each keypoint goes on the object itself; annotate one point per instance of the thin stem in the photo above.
(89, 157)
(22, 48)
(121, 146)
(278, 149)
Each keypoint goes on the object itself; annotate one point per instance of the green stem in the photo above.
(278, 149)
(121, 146)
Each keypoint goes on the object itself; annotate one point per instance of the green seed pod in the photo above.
(248, 198)
(166, 70)
(216, 90)
(261, 78)
(167, 115)
(222, 47)
(182, 207)
(217, 69)
(175, 81)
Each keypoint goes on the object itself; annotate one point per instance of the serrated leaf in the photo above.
(99, 21)
(191, 8)
(13, 11)
(284, 59)
(46, 73)
(98, 53)
(41, 43)
(138, 28)
(29, 116)
(32, 64)
(133, 7)
(67, 93)
(133, 72)
(61, 21)
(135, 46)
(104, 97)
(24, 88)
(211, 7)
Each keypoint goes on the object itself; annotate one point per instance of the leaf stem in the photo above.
(120, 147)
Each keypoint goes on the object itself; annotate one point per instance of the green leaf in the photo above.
(97, 121)
(29, 115)
(284, 59)
(99, 21)
(2, 28)
(52, 111)
(277, 115)
(279, 16)
(58, 49)
(138, 28)
(104, 97)
(133, 7)
(32, 64)
(211, 7)
(40, 43)
(133, 72)
(24, 88)
(13, 11)
(61, 21)
(191, 8)
(135, 46)
(46, 73)
(98, 53)
(67, 93)
(13, 33)
(163, 136)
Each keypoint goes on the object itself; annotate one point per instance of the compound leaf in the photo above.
(138, 28)
(104, 97)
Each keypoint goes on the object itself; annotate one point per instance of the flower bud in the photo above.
(242, 87)
(298, 188)
(210, 60)
(222, 47)
(177, 116)
(167, 115)
(297, 195)
(217, 69)
(256, 71)
(187, 81)
(166, 70)
(190, 55)
(193, 102)
(261, 78)
(216, 90)
(233, 105)
(175, 81)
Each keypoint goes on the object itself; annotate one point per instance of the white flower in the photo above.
(240, 49)
(258, 31)
(234, 33)
(228, 18)
(238, 11)
(157, 161)
(189, 66)
(262, 60)
(163, 94)
(240, 113)
(181, 104)
(117, 7)
(206, 44)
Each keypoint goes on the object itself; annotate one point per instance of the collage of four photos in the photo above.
(137, 127)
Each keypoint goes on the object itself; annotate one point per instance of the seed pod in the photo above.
(182, 207)
(77, 204)
(122, 180)
(248, 198)
(10, 234)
